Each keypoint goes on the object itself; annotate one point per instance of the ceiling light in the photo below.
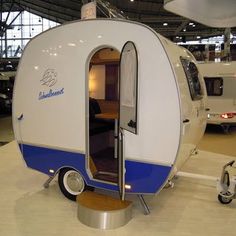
(165, 24)
(184, 30)
(131, 0)
(198, 37)
(191, 23)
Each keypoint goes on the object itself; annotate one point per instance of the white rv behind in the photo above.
(220, 79)
(134, 146)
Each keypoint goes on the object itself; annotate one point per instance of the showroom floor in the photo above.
(190, 208)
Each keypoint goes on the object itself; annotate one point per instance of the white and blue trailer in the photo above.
(160, 115)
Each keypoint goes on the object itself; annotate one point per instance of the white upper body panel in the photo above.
(192, 111)
(51, 89)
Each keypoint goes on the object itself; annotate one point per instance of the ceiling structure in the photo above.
(149, 12)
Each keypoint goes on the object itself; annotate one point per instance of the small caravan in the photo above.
(109, 104)
(220, 79)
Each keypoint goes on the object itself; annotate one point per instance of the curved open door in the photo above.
(128, 103)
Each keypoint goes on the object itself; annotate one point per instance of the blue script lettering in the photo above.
(51, 93)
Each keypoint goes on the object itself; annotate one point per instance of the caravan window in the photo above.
(214, 86)
(192, 75)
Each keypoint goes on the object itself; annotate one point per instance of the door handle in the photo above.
(132, 124)
(186, 121)
(20, 117)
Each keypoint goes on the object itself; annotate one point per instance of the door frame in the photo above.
(87, 95)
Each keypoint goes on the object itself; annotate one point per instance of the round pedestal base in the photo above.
(103, 212)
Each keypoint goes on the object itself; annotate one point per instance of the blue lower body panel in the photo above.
(142, 177)
(145, 177)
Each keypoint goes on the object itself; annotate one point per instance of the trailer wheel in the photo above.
(71, 183)
(224, 200)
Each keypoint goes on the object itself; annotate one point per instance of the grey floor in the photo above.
(190, 208)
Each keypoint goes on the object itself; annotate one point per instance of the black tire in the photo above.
(224, 200)
(71, 183)
(225, 128)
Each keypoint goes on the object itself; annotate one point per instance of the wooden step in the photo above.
(103, 212)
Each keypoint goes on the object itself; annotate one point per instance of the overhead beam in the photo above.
(8, 14)
(66, 4)
(143, 11)
(38, 10)
(49, 17)
(181, 27)
(193, 33)
(158, 19)
(49, 8)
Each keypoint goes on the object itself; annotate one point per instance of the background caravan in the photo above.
(115, 109)
(220, 79)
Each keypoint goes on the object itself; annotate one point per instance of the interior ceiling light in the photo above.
(165, 24)
(215, 13)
